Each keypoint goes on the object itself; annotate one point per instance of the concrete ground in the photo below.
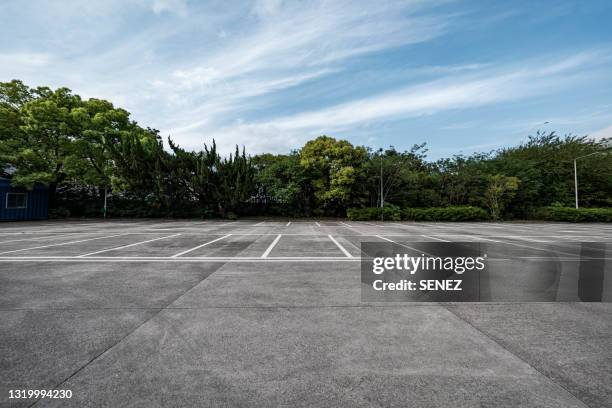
(154, 313)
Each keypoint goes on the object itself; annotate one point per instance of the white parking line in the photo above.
(63, 243)
(288, 224)
(318, 225)
(33, 239)
(437, 239)
(259, 223)
(400, 244)
(348, 255)
(272, 245)
(477, 237)
(199, 246)
(127, 246)
(109, 259)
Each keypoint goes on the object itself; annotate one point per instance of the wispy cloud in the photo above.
(605, 133)
(495, 85)
(270, 74)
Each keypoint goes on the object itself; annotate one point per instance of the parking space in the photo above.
(268, 312)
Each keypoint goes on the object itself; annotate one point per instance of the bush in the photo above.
(457, 213)
(554, 213)
(390, 213)
(59, 212)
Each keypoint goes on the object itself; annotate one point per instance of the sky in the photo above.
(462, 76)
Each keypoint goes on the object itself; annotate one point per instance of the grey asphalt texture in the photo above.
(179, 313)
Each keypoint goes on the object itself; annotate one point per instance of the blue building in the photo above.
(21, 204)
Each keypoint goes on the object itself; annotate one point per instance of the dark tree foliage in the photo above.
(82, 148)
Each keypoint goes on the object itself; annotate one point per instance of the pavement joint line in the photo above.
(130, 332)
(344, 251)
(351, 228)
(494, 340)
(517, 245)
(437, 239)
(127, 246)
(182, 259)
(356, 247)
(199, 246)
(272, 245)
(32, 238)
(63, 243)
(405, 246)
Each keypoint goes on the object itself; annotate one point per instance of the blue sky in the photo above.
(462, 76)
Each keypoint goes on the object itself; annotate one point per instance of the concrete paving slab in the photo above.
(36, 240)
(350, 357)
(316, 246)
(96, 285)
(41, 348)
(163, 247)
(84, 245)
(568, 342)
(278, 284)
(234, 246)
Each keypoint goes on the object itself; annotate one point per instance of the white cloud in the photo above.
(173, 6)
(25, 59)
(605, 133)
(452, 93)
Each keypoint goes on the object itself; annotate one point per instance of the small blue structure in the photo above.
(22, 204)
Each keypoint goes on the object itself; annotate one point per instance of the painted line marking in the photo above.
(35, 238)
(531, 240)
(519, 245)
(288, 224)
(350, 227)
(64, 243)
(272, 245)
(182, 259)
(199, 246)
(348, 255)
(318, 225)
(126, 246)
(437, 239)
(400, 244)
(259, 223)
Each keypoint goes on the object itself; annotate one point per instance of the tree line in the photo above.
(82, 148)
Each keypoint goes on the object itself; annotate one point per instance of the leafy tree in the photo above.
(333, 167)
(499, 191)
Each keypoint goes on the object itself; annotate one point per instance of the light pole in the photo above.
(382, 199)
(105, 193)
(609, 144)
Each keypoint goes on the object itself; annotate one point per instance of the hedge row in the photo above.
(393, 213)
(390, 213)
(456, 213)
(574, 215)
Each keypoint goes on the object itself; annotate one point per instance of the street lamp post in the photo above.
(609, 144)
(382, 198)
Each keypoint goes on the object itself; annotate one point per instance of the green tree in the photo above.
(333, 167)
(500, 190)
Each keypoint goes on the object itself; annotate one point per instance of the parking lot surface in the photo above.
(157, 313)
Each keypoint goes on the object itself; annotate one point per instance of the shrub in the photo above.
(59, 212)
(457, 213)
(554, 213)
(390, 212)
